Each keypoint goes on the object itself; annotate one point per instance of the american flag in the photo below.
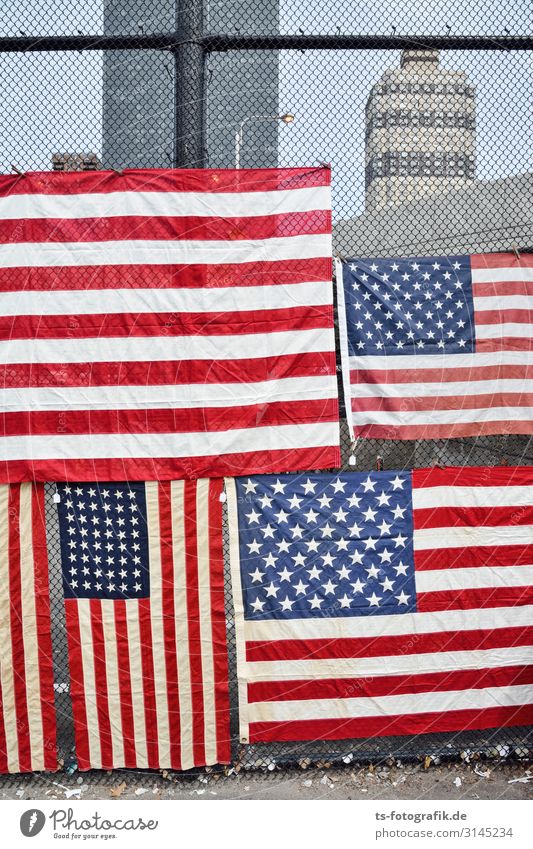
(437, 347)
(144, 599)
(383, 603)
(166, 324)
(27, 714)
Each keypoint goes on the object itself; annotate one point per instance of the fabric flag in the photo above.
(437, 347)
(27, 713)
(144, 600)
(159, 325)
(383, 603)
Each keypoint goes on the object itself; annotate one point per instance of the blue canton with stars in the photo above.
(104, 540)
(323, 545)
(420, 305)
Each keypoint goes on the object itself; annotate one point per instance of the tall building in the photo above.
(139, 86)
(420, 131)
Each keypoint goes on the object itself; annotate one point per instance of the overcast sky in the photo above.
(326, 91)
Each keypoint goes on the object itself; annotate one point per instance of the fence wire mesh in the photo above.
(430, 154)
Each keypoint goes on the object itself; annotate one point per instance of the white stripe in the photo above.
(479, 577)
(376, 667)
(501, 331)
(181, 620)
(7, 681)
(343, 341)
(435, 538)
(90, 685)
(32, 677)
(176, 396)
(168, 445)
(230, 299)
(114, 697)
(156, 348)
(501, 275)
(156, 624)
(500, 303)
(473, 496)
(169, 204)
(135, 648)
(206, 632)
(438, 362)
(167, 252)
(409, 624)
(437, 702)
(436, 390)
(440, 417)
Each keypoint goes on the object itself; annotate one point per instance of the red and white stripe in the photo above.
(27, 713)
(463, 660)
(166, 324)
(489, 391)
(149, 677)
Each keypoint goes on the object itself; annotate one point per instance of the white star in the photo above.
(294, 502)
(284, 545)
(355, 530)
(345, 601)
(356, 557)
(370, 543)
(372, 571)
(387, 585)
(402, 598)
(374, 600)
(399, 541)
(315, 602)
(285, 575)
(400, 569)
(258, 605)
(279, 487)
(329, 588)
(398, 512)
(397, 483)
(369, 515)
(282, 516)
(383, 499)
(326, 531)
(309, 487)
(312, 545)
(299, 560)
(300, 588)
(314, 573)
(324, 501)
(272, 590)
(267, 531)
(250, 486)
(327, 559)
(253, 517)
(256, 576)
(338, 485)
(297, 532)
(369, 484)
(254, 547)
(358, 586)
(342, 544)
(311, 516)
(343, 572)
(287, 604)
(384, 528)
(385, 556)
(265, 501)
(340, 515)
(270, 560)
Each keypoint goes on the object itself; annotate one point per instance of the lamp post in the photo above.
(286, 119)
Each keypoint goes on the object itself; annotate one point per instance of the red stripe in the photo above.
(148, 683)
(166, 421)
(218, 622)
(44, 637)
(164, 180)
(468, 517)
(473, 476)
(389, 685)
(506, 343)
(17, 630)
(267, 461)
(506, 287)
(163, 228)
(394, 646)
(3, 745)
(100, 683)
(118, 325)
(444, 402)
(474, 555)
(193, 621)
(503, 316)
(440, 375)
(501, 260)
(124, 681)
(266, 273)
(445, 431)
(77, 685)
(386, 726)
(174, 372)
(473, 599)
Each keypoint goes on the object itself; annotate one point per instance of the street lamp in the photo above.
(287, 119)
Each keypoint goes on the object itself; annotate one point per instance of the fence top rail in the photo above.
(215, 42)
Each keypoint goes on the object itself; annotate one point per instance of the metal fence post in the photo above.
(189, 60)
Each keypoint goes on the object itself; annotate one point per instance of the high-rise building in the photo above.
(139, 86)
(420, 131)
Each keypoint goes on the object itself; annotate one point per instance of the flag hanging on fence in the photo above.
(383, 603)
(143, 579)
(172, 324)
(437, 347)
(27, 713)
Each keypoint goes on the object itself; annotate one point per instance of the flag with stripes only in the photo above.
(437, 347)
(383, 603)
(161, 325)
(143, 582)
(27, 713)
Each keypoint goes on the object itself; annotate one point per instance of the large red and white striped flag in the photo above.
(143, 578)
(172, 324)
(437, 347)
(27, 713)
(383, 603)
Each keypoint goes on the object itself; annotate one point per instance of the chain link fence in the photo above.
(423, 114)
